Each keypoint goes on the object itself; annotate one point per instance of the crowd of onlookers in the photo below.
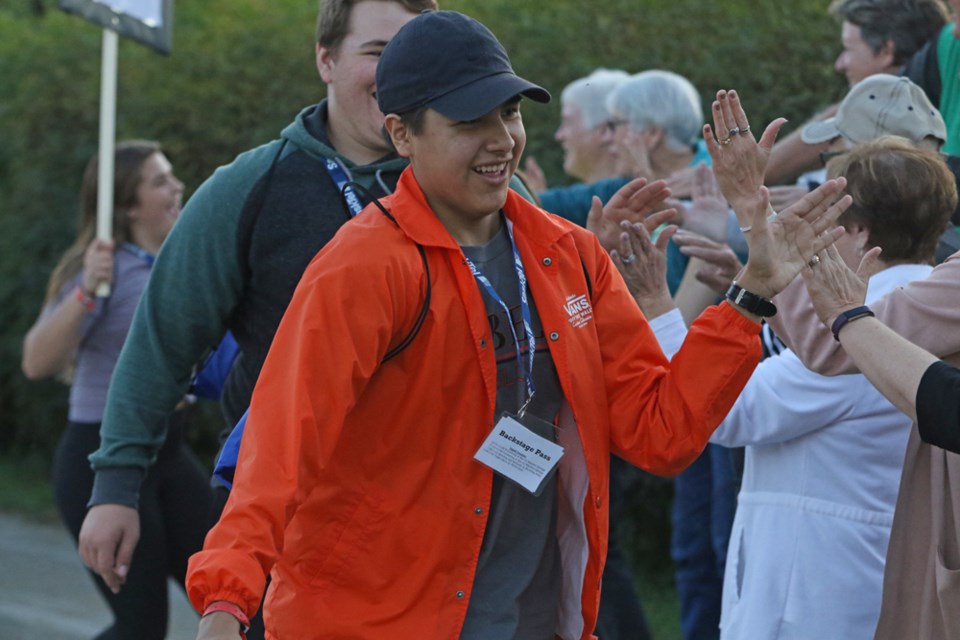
(815, 491)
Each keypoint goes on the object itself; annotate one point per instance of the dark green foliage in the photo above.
(241, 69)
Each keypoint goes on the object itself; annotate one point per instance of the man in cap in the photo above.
(459, 489)
(882, 105)
(877, 36)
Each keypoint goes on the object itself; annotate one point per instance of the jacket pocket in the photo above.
(327, 562)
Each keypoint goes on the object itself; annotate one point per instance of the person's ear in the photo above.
(399, 134)
(652, 137)
(862, 235)
(887, 53)
(325, 63)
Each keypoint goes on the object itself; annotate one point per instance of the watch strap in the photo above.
(849, 316)
(755, 304)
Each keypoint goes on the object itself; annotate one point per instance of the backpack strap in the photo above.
(425, 308)
(586, 275)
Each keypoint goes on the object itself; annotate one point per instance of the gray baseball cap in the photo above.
(880, 105)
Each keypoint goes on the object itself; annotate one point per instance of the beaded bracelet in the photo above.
(88, 303)
(232, 609)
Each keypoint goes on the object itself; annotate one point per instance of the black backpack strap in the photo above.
(420, 318)
(425, 308)
(586, 275)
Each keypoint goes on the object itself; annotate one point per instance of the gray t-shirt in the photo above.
(516, 588)
(102, 334)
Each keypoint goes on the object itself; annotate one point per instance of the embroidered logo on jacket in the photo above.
(579, 309)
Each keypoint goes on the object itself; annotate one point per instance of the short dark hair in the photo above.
(909, 24)
(903, 194)
(412, 119)
(333, 19)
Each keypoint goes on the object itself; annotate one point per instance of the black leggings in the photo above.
(175, 503)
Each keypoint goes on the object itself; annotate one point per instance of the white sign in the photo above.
(149, 12)
(147, 21)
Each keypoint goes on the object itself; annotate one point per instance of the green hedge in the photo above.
(241, 69)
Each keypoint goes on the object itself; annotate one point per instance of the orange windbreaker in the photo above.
(356, 484)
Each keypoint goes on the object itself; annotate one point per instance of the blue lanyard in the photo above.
(526, 369)
(339, 176)
(140, 252)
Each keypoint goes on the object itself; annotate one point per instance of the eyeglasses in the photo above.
(610, 126)
(827, 156)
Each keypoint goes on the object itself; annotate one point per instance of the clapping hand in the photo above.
(779, 245)
(834, 287)
(635, 202)
(707, 211)
(643, 265)
(739, 160)
(719, 266)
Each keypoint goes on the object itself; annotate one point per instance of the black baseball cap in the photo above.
(450, 63)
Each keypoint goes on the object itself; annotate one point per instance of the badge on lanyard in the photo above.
(519, 454)
(512, 449)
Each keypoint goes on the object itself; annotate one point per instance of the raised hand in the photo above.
(783, 196)
(834, 287)
(643, 265)
(707, 212)
(718, 265)
(635, 202)
(534, 176)
(681, 182)
(739, 160)
(781, 245)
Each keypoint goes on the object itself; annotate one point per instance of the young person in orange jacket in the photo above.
(456, 487)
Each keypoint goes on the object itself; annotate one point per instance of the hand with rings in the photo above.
(834, 287)
(643, 265)
(739, 161)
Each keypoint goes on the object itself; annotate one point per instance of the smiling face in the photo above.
(464, 168)
(159, 196)
(858, 60)
(586, 151)
(355, 121)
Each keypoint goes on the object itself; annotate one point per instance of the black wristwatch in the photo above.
(753, 303)
(849, 316)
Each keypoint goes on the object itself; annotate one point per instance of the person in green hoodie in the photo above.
(233, 260)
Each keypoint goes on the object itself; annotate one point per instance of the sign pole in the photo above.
(108, 111)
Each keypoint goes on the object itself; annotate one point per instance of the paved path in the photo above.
(45, 592)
